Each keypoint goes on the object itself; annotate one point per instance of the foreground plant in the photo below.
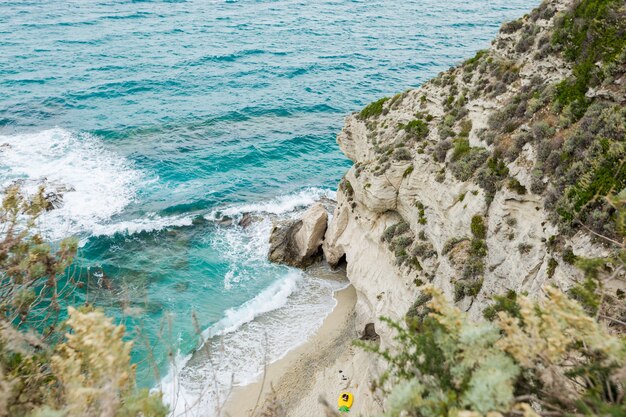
(554, 356)
(89, 372)
(30, 268)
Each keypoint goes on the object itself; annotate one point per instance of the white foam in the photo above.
(271, 299)
(151, 222)
(100, 183)
(288, 312)
(253, 241)
(282, 204)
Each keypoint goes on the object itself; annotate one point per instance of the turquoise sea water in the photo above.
(161, 116)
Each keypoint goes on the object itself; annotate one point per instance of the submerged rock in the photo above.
(246, 220)
(225, 221)
(297, 242)
(54, 194)
(53, 200)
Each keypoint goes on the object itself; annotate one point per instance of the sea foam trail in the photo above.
(279, 205)
(150, 223)
(100, 183)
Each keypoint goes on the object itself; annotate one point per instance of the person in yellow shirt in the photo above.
(345, 402)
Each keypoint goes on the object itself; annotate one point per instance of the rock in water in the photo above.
(297, 242)
(246, 220)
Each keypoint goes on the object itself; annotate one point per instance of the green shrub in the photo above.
(543, 12)
(467, 288)
(466, 128)
(416, 129)
(421, 212)
(424, 250)
(569, 257)
(389, 233)
(507, 303)
(591, 32)
(461, 148)
(472, 62)
(374, 109)
(30, 270)
(401, 242)
(512, 26)
(445, 132)
(441, 150)
(402, 154)
(402, 228)
(542, 130)
(514, 185)
(525, 43)
(396, 100)
(587, 295)
(418, 309)
(77, 368)
(552, 264)
(491, 175)
(524, 248)
(466, 161)
(478, 227)
(450, 244)
(346, 187)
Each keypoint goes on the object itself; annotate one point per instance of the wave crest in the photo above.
(99, 183)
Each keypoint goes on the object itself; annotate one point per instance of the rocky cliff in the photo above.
(494, 176)
(501, 176)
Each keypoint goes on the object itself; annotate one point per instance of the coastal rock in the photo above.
(246, 220)
(297, 242)
(225, 221)
(53, 200)
(54, 194)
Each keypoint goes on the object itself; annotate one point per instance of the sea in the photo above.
(162, 123)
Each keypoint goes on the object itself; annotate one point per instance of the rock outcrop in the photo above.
(297, 242)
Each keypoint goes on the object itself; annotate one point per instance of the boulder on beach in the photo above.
(297, 242)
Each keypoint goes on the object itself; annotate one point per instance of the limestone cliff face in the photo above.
(406, 208)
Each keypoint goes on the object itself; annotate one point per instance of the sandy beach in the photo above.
(322, 366)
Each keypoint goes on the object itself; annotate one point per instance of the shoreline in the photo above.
(292, 377)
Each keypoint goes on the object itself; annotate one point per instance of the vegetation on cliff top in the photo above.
(578, 125)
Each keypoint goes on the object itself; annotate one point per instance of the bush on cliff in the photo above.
(416, 129)
(374, 109)
(577, 125)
